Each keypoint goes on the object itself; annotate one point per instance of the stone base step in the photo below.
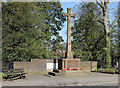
(54, 73)
(56, 70)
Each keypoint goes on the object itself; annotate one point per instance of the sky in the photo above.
(65, 5)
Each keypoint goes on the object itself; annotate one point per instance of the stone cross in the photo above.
(68, 48)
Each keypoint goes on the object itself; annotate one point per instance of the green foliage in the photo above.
(90, 41)
(88, 34)
(107, 69)
(28, 29)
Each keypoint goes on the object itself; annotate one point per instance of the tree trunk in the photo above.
(108, 53)
(104, 7)
(107, 33)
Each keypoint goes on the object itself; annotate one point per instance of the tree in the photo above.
(88, 35)
(55, 21)
(107, 28)
(19, 32)
(28, 29)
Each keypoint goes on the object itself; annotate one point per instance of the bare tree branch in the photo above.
(100, 4)
(114, 22)
(108, 22)
(115, 30)
(101, 21)
(106, 2)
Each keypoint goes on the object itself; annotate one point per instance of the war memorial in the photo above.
(66, 71)
(46, 65)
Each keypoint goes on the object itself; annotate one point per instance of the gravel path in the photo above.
(78, 80)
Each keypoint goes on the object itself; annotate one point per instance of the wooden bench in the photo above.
(13, 73)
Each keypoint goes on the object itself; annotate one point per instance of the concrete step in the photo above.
(67, 73)
(56, 70)
(55, 74)
(52, 73)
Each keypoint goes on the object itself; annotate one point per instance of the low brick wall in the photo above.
(69, 63)
(86, 65)
(76, 63)
(36, 65)
(45, 65)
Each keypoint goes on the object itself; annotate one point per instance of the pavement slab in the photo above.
(68, 80)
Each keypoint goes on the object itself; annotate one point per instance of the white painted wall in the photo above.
(51, 66)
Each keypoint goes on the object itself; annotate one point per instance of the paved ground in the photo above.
(91, 79)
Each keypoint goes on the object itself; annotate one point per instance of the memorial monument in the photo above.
(69, 53)
(68, 61)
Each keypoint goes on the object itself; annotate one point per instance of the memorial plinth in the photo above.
(68, 63)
